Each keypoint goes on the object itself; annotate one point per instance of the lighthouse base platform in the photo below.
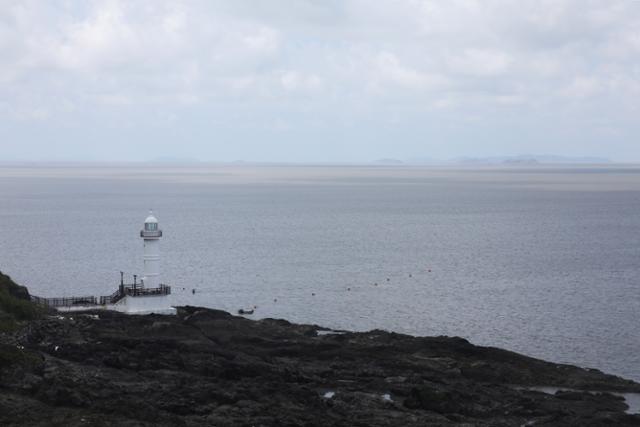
(156, 304)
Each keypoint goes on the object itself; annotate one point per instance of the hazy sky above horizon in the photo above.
(317, 81)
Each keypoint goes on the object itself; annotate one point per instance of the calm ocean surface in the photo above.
(543, 261)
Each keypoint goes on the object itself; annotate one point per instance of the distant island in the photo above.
(389, 162)
(523, 159)
(205, 367)
(530, 160)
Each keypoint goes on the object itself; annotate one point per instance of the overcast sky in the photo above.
(318, 81)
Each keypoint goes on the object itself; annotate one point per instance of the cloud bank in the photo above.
(311, 80)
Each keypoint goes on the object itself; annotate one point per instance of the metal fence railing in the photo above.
(123, 290)
(64, 302)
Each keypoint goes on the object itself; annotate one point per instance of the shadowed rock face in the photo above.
(205, 367)
(15, 305)
(13, 289)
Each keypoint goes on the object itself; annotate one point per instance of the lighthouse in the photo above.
(149, 296)
(151, 235)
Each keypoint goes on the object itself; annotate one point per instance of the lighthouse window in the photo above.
(150, 226)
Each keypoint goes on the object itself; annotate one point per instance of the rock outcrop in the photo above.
(15, 304)
(208, 368)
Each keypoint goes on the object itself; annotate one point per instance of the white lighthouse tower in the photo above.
(151, 235)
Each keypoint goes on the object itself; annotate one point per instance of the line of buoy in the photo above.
(313, 294)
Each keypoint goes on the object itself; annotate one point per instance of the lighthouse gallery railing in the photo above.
(134, 291)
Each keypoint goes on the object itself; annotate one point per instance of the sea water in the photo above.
(540, 260)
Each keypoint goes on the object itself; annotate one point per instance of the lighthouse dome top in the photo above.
(151, 219)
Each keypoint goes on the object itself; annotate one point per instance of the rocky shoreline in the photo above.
(206, 367)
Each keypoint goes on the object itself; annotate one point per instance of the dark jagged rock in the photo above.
(15, 304)
(206, 367)
(12, 288)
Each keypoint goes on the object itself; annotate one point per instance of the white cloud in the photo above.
(390, 69)
(582, 87)
(295, 81)
(264, 39)
(480, 62)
